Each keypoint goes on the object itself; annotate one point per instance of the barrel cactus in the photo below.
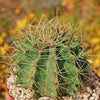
(49, 59)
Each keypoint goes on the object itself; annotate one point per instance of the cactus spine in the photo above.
(48, 59)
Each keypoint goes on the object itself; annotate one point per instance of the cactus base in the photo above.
(9, 97)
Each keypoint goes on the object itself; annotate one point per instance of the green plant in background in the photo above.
(49, 59)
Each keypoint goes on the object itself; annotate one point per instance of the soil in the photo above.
(18, 93)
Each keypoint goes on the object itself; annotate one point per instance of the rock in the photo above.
(94, 94)
(89, 90)
(65, 98)
(45, 98)
(92, 98)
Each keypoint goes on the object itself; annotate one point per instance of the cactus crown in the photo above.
(49, 59)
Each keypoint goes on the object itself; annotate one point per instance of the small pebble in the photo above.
(92, 98)
(89, 90)
(44, 98)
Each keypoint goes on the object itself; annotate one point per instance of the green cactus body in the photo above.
(27, 68)
(49, 61)
(47, 82)
(69, 66)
